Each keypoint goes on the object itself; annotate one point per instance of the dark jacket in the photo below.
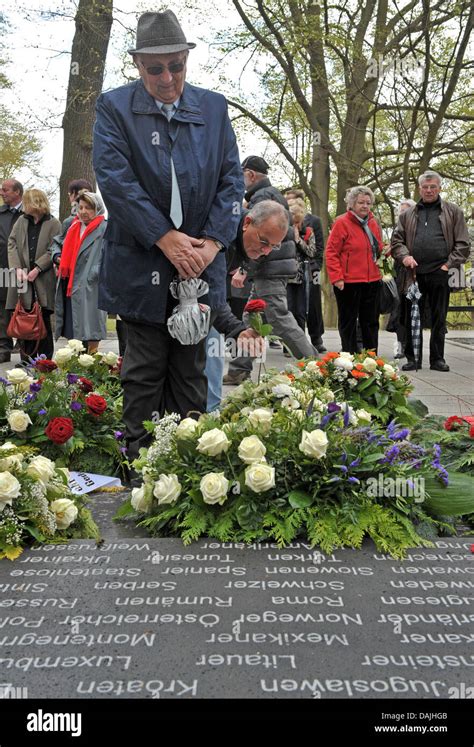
(314, 222)
(19, 257)
(279, 264)
(133, 145)
(455, 233)
(7, 221)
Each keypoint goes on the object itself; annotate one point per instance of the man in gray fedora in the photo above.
(168, 168)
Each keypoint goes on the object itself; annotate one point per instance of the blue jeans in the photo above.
(214, 370)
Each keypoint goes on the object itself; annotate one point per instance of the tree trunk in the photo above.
(89, 51)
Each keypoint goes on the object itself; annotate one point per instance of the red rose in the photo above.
(59, 430)
(471, 431)
(256, 305)
(96, 405)
(86, 384)
(45, 365)
(451, 422)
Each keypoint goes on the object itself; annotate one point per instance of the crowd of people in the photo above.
(181, 206)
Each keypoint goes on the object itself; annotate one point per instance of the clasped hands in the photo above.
(190, 256)
(22, 276)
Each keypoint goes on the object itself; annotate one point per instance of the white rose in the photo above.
(282, 390)
(290, 403)
(260, 477)
(42, 468)
(261, 418)
(346, 355)
(328, 395)
(314, 444)
(76, 346)
(63, 355)
(277, 379)
(110, 358)
(343, 362)
(10, 488)
(167, 489)
(311, 367)
(186, 428)
(17, 375)
(24, 386)
(141, 501)
(18, 421)
(213, 442)
(214, 487)
(251, 450)
(369, 364)
(13, 461)
(65, 512)
(85, 360)
(363, 415)
(389, 369)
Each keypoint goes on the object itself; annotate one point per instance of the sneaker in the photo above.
(232, 379)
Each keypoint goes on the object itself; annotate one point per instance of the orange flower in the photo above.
(324, 371)
(320, 363)
(291, 376)
(330, 356)
(358, 374)
(301, 364)
(371, 353)
(359, 367)
(380, 362)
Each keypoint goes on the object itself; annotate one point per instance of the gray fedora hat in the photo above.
(160, 33)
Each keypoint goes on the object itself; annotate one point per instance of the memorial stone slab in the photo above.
(150, 618)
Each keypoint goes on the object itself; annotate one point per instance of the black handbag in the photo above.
(389, 297)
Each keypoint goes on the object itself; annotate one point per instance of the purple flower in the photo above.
(35, 386)
(443, 475)
(391, 454)
(42, 412)
(343, 457)
(118, 434)
(5, 381)
(355, 463)
(353, 480)
(324, 421)
(346, 417)
(76, 406)
(437, 450)
(72, 378)
(333, 407)
(30, 398)
(343, 468)
(123, 449)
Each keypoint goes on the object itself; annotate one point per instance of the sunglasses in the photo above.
(173, 67)
(264, 242)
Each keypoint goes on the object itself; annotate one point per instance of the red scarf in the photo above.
(71, 246)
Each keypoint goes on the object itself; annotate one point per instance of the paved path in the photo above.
(443, 393)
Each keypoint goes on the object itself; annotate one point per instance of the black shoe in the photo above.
(321, 349)
(411, 366)
(5, 357)
(233, 379)
(439, 366)
(275, 345)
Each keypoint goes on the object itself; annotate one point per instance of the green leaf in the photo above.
(34, 532)
(124, 510)
(299, 499)
(455, 500)
(266, 329)
(417, 407)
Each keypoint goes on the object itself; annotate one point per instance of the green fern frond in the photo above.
(196, 521)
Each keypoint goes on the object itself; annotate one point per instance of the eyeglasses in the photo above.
(173, 67)
(264, 242)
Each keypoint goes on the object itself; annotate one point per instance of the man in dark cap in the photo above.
(167, 165)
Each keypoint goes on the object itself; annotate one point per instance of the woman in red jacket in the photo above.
(352, 250)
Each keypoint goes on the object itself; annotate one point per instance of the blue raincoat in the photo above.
(133, 144)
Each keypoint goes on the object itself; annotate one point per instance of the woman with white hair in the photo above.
(353, 247)
(78, 316)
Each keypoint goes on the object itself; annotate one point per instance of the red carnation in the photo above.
(86, 384)
(45, 365)
(471, 431)
(96, 405)
(59, 430)
(256, 305)
(450, 423)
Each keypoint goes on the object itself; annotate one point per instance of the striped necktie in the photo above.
(176, 211)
